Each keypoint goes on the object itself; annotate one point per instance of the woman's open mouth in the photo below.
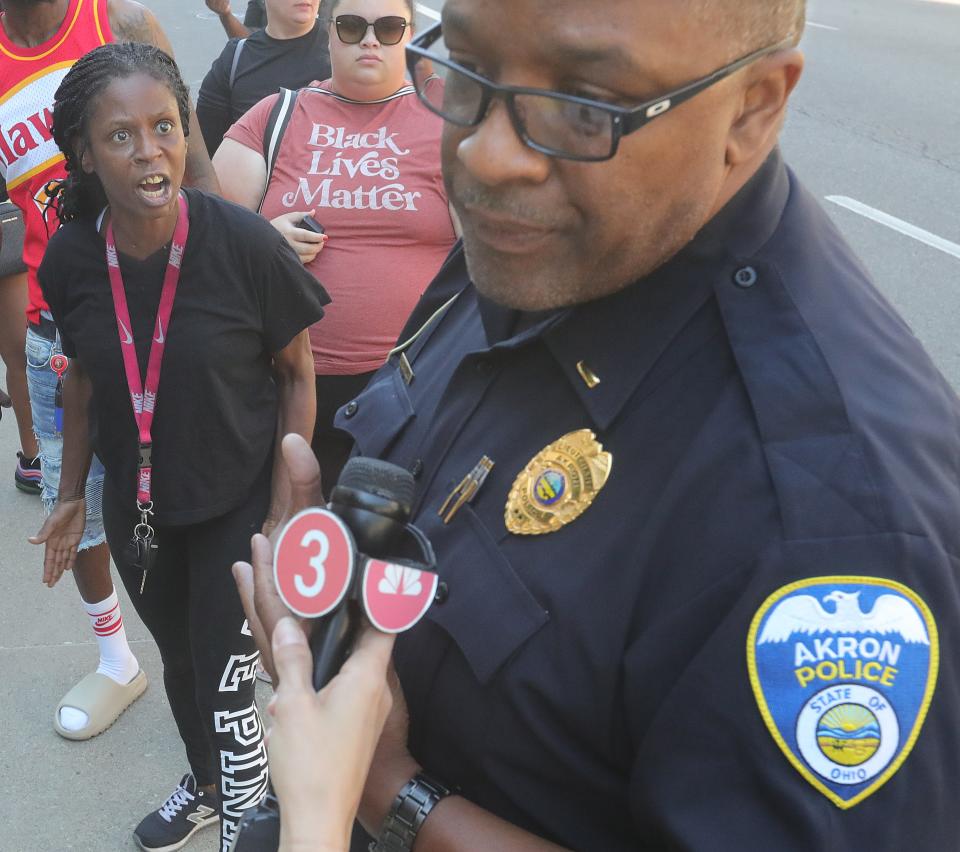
(155, 189)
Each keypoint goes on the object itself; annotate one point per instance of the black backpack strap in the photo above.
(273, 132)
(236, 61)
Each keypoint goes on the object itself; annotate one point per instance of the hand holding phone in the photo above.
(312, 224)
(304, 234)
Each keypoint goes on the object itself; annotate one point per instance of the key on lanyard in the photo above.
(142, 549)
(59, 364)
(146, 556)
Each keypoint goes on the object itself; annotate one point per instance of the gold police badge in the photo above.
(558, 485)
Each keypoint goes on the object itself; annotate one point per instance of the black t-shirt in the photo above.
(242, 295)
(266, 64)
(256, 15)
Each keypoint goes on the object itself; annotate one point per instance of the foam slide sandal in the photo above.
(102, 699)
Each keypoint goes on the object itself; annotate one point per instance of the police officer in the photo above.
(692, 482)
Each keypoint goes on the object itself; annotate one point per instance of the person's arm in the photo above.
(63, 528)
(130, 21)
(242, 173)
(321, 743)
(215, 101)
(296, 414)
(455, 824)
(231, 24)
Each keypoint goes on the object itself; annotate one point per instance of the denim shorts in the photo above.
(42, 385)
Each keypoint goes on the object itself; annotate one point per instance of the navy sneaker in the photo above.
(26, 475)
(181, 816)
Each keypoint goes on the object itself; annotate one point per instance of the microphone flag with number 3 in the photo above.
(314, 562)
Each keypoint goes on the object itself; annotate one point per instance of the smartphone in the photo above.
(312, 224)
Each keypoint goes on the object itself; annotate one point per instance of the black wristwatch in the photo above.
(407, 813)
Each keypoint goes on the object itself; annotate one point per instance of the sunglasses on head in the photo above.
(352, 28)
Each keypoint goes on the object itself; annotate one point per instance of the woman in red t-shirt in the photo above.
(361, 155)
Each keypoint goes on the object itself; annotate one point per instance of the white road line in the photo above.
(427, 12)
(896, 224)
(823, 26)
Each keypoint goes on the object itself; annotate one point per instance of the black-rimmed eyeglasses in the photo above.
(352, 28)
(565, 126)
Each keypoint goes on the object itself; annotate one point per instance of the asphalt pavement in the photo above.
(876, 119)
(875, 125)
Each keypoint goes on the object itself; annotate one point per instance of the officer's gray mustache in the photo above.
(484, 201)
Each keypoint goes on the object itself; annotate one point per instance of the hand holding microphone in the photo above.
(336, 563)
(358, 557)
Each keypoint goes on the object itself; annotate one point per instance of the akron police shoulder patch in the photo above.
(843, 669)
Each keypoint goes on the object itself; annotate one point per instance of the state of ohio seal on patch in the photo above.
(843, 669)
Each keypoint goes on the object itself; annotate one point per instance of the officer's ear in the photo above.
(763, 103)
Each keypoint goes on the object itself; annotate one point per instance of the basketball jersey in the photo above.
(29, 158)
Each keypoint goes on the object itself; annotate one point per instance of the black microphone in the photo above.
(374, 499)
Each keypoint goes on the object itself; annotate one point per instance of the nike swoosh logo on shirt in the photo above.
(126, 331)
(160, 338)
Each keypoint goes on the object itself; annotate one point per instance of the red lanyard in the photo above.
(144, 394)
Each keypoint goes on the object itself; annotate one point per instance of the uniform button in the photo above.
(351, 408)
(443, 592)
(745, 277)
(417, 468)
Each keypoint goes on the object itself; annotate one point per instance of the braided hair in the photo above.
(81, 194)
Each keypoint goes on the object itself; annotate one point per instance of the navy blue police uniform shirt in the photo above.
(737, 645)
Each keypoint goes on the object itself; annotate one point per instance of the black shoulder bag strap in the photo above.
(273, 132)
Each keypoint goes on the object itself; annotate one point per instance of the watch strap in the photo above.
(408, 812)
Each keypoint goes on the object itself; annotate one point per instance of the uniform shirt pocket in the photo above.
(489, 613)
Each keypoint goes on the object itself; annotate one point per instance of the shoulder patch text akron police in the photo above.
(843, 669)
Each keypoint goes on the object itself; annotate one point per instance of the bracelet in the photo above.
(407, 814)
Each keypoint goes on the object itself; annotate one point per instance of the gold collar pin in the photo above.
(590, 378)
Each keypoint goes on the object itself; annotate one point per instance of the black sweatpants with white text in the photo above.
(191, 606)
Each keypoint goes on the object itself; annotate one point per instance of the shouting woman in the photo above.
(184, 318)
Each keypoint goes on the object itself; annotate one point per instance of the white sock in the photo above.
(116, 659)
